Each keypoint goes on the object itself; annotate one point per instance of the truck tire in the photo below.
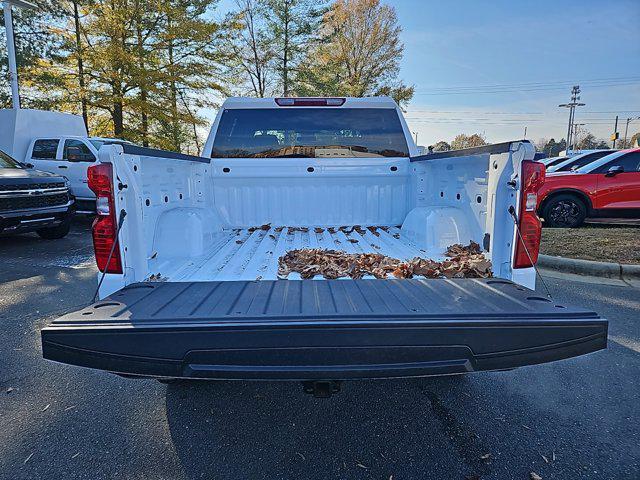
(54, 233)
(564, 211)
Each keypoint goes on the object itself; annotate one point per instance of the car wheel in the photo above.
(54, 233)
(564, 211)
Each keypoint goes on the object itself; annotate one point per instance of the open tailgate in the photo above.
(321, 329)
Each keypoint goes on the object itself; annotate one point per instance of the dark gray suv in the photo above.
(31, 200)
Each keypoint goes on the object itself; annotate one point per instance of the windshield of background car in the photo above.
(7, 162)
(579, 161)
(598, 163)
(309, 133)
(549, 162)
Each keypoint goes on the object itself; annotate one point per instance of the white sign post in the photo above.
(11, 47)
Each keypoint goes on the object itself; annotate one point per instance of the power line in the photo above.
(527, 87)
(427, 111)
(555, 82)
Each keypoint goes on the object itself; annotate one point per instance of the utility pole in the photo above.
(614, 137)
(626, 129)
(525, 133)
(11, 47)
(575, 96)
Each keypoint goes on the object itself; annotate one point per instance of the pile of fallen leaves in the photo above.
(462, 262)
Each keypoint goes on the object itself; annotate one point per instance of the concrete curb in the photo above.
(620, 271)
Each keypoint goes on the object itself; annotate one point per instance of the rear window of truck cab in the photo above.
(309, 133)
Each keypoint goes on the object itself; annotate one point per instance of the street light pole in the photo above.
(11, 47)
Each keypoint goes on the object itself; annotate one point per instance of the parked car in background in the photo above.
(608, 187)
(573, 163)
(70, 155)
(31, 200)
(548, 162)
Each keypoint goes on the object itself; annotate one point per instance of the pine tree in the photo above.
(292, 27)
(36, 41)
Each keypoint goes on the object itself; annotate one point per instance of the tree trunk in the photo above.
(117, 114)
(285, 55)
(144, 117)
(174, 101)
(83, 97)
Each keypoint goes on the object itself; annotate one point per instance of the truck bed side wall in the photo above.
(169, 208)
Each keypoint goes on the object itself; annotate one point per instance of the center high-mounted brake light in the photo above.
(105, 225)
(528, 242)
(310, 102)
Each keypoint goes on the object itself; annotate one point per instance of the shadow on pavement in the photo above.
(372, 429)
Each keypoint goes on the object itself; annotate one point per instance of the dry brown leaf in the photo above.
(332, 264)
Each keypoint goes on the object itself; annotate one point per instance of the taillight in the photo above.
(105, 225)
(529, 223)
(310, 102)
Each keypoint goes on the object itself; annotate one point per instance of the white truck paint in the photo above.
(192, 221)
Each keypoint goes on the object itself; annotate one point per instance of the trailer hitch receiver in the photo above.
(322, 388)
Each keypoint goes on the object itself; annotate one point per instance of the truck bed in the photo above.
(329, 329)
(252, 254)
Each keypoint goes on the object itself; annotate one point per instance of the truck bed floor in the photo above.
(248, 254)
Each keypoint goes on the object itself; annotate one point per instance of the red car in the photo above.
(608, 187)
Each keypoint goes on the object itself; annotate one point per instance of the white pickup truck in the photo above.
(191, 287)
(71, 156)
(54, 142)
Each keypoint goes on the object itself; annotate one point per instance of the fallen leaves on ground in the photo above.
(462, 262)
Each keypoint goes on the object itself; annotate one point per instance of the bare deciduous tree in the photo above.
(251, 51)
(359, 53)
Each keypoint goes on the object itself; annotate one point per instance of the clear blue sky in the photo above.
(490, 48)
(479, 43)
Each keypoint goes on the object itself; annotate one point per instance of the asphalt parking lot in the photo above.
(572, 419)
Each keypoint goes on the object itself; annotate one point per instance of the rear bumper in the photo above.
(327, 352)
